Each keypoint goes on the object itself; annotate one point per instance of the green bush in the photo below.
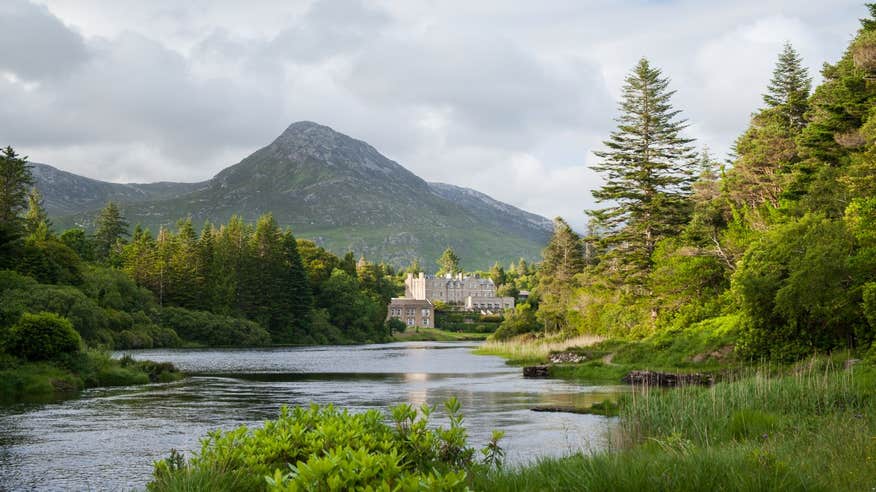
(394, 325)
(121, 376)
(323, 448)
(212, 329)
(18, 296)
(43, 336)
(50, 262)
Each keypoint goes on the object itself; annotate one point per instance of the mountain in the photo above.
(338, 191)
(67, 193)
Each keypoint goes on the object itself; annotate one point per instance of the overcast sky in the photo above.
(509, 98)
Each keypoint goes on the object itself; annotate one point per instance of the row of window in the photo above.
(409, 312)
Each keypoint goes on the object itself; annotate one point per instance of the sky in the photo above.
(507, 97)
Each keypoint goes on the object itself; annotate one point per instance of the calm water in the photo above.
(108, 438)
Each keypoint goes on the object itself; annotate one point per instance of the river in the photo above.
(107, 438)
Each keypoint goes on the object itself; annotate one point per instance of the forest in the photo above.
(772, 251)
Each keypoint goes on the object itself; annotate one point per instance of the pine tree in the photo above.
(767, 154)
(296, 285)
(497, 274)
(15, 178)
(111, 228)
(36, 220)
(348, 263)
(448, 262)
(789, 88)
(648, 168)
(564, 254)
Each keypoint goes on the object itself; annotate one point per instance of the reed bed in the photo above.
(809, 427)
(534, 349)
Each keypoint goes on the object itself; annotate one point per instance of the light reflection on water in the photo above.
(108, 438)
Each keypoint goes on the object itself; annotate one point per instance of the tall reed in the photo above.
(535, 349)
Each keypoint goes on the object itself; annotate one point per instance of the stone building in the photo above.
(412, 312)
(471, 293)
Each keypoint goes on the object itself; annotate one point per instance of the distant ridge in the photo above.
(329, 187)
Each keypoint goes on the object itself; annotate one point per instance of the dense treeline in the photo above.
(777, 247)
(236, 284)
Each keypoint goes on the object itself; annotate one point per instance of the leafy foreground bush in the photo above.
(323, 448)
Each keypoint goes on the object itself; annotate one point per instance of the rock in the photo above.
(561, 410)
(566, 358)
(654, 378)
(536, 371)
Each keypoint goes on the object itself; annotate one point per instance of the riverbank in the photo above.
(802, 426)
(41, 381)
(810, 428)
(436, 335)
(807, 426)
(706, 347)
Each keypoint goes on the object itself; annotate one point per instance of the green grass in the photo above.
(703, 347)
(436, 335)
(526, 350)
(40, 381)
(813, 427)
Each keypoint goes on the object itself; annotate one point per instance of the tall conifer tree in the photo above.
(789, 88)
(648, 167)
(111, 227)
(36, 220)
(15, 178)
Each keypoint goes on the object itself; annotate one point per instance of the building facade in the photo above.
(412, 312)
(472, 293)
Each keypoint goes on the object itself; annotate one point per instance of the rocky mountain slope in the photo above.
(339, 191)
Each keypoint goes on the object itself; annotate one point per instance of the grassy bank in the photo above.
(524, 350)
(436, 335)
(706, 347)
(37, 381)
(812, 428)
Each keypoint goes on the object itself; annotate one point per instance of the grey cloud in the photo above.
(506, 97)
(328, 28)
(491, 89)
(36, 45)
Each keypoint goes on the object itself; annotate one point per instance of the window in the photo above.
(410, 321)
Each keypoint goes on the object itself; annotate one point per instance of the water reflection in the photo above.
(107, 438)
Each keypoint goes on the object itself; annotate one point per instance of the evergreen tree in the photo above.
(448, 262)
(563, 258)
(648, 168)
(15, 178)
(111, 228)
(497, 274)
(789, 88)
(348, 263)
(296, 285)
(564, 254)
(36, 220)
(767, 154)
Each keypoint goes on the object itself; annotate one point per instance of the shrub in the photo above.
(43, 336)
(21, 297)
(394, 325)
(211, 329)
(323, 448)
